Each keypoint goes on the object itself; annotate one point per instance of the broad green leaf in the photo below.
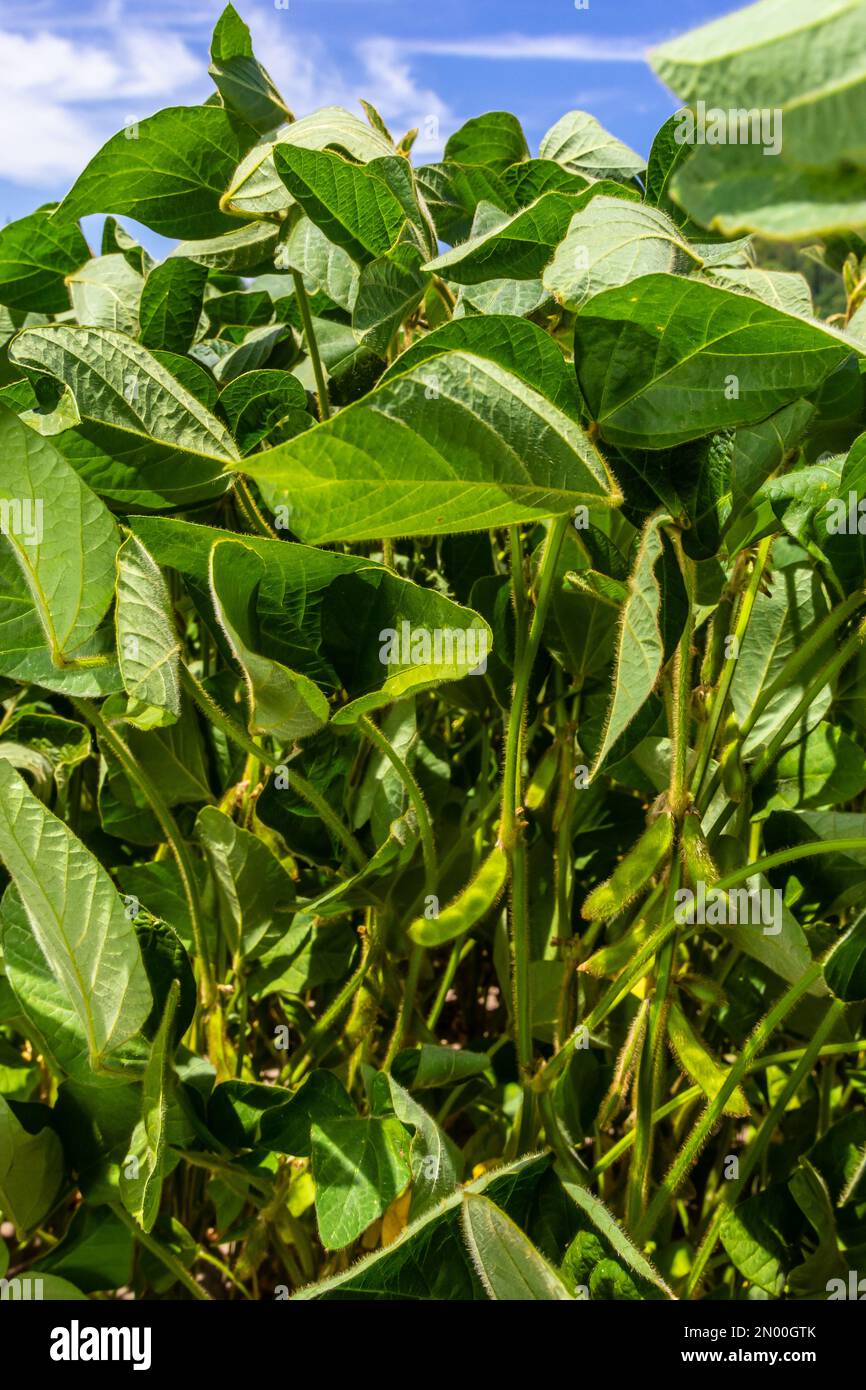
(324, 266)
(663, 359)
(798, 69)
(785, 290)
(171, 303)
(117, 382)
(31, 1170)
(77, 919)
(167, 171)
(36, 255)
(282, 702)
(518, 247)
(453, 442)
(508, 1264)
(429, 1066)
(287, 1128)
(453, 193)
(360, 1166)
(265, 406)
(495, 140)
(781, 621)
(96, 1252)
(699, 1064)
(583, 145)
(115, 237)
(143, 1170)
(429, 1259)
(437, 1165)
(255, 895)
(389, 290)
(147, 645)
(326, 615)
(251, 354)
(613, 1234)
(757, 1236)
(234, 252)
(359, 207)
(64, 541)
(640, 646)
(827, 769)
(611, 242)
(845, 966)
(242, 82)
(255, 189)
(105, 293)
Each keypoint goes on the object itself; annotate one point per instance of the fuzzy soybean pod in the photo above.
(731, 762)
(695, 852)
(477, 898)
(633, 872)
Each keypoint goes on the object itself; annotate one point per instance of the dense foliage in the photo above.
(433, 745)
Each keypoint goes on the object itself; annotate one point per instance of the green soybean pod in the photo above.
(477, 898)
(720, 628)
(633, 872)
(695, 852)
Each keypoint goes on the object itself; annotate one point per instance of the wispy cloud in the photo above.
(524, 47)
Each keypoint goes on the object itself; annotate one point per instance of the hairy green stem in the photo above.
(186, 867)
(160, 1253)
(312, 345)
(690, 1150)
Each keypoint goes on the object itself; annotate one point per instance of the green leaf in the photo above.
(582, 144)
(171, 302)
(256, 189)
(241, 81)
(495, 140)
(143, 1170)
(357, 206)
(827, 769)
(360, 1166)
(234, 252)
(663, 360)
(77, 919)
(36, 255)
(611, 242)
(437, 1165)
(757, 1237)
(802, 70)
(613, 1234)
(264, 407)
(64, 541)
(783, 289)
(105, 293)
(640, 647)
(167, 171)
(282, 702)
(517, 247)
(255, 895)
(845, 966)
(288, 1128)
(389, 290)
(31, 1171)
(508, 1264)
(147, 645)
(454, 442)
(118, 383)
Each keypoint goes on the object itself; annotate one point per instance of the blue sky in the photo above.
(75, 71)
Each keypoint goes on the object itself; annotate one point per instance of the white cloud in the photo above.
(61, 98)
(63, 95)
(521, 47)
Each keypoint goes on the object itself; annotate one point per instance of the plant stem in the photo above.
(629, 977)
(323, 1025)
(755, 1150)
(713, 724)
(511, 835)
(186, 867)
(312, 345)
(295, 780)
(688, 1154)
(160, 1253)
(251, 510)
